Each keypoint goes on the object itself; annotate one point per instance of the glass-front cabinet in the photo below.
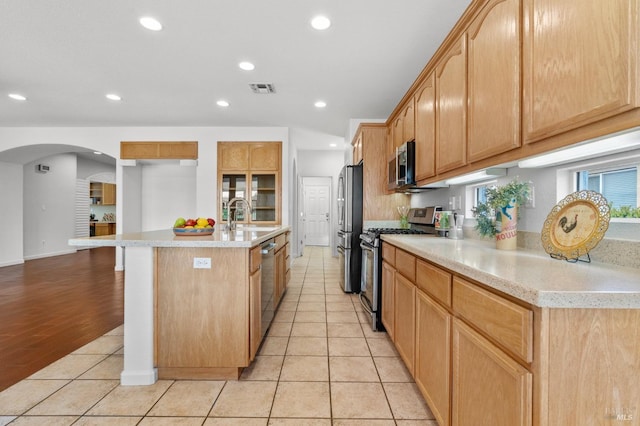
(246, 170)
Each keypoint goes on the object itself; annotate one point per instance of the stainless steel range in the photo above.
(421, 222)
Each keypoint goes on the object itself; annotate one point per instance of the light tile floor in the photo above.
(320, 364)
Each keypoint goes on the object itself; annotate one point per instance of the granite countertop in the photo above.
(243, 236)
(530, 276)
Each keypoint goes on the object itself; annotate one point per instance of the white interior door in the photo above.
(317, 207)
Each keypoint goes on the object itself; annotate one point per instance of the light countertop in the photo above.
(243, 236)
(530, 276)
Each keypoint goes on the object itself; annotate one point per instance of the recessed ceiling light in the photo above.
(113, 97)
(150, 23)
(17, 97)
(320, 22)
(222, 103)
(247, 66)
(320, 104)
(333, 145)
(97, 152)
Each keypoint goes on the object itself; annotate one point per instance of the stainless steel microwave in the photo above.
(402, 168)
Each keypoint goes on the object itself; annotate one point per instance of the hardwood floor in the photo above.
(50, 307)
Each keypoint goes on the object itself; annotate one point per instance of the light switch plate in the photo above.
(202, 263)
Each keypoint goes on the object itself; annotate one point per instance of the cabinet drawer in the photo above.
(434, 281)
(389, 254)
(255, 259)
(509, 324)
(406, 265)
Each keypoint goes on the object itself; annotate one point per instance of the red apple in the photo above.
(211, 221)
(190, 222)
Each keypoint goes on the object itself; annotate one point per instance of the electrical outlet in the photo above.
(202, 263)
(531, 202)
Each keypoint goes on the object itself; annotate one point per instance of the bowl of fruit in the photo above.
(193, 227)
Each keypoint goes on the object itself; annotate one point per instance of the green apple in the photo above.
(180, 222)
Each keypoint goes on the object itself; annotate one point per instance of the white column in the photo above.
(138, 317)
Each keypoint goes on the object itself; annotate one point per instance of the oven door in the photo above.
(368, 280)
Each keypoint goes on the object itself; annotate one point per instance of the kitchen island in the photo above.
(513, 337)
(192, 304)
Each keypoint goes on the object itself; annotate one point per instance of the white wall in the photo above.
(168, 192)
(11, 214)
(49, 206)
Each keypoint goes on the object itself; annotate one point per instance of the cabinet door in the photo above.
(233, 156)
(433, 355)
(488, 387)
(264, 156)
(451, 102)
(425, 129)
(494, 80)
(408, 122)
(398, 132)
(405, 320)
(388, 296)
(255, 312)
(108, 194)
(264, 197)
(580, 63)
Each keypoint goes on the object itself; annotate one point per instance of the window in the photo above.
(476, 194)
(618, 185)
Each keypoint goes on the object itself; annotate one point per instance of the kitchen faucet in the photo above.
(231, 217)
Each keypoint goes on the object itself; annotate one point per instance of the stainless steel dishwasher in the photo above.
(268, 250)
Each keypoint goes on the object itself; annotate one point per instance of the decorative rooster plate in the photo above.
(575, 225)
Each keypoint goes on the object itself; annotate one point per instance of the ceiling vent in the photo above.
(262, 88)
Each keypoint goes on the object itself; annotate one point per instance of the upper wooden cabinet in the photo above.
(357, 149)
(250, 170)
(425, 129)
(494, 80)
(159, 150)
(408, 122)
(451, 101)
(377, 203)
(580, 63)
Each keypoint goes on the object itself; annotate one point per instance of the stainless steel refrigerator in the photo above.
(350, 226)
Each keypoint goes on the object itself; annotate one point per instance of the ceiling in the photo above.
(65, 56)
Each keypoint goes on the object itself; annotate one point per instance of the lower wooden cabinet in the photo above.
(405, 319)
(488, 387)
(388, 298)
(433, 355)
(255, 303)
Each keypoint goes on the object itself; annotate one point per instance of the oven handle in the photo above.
(366, 247)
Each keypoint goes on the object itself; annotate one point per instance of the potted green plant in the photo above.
(498, 216)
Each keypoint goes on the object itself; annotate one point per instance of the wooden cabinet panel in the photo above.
(398, 132)
(405, 320)
(433, 355)
(202, 314)
(357, 149)
(434, 281)
(594, 366)
(159, 150)
(509, 324)
(265, 156)
(425, 129)
(108, 194)
(494, 80)
(255, 312)
(408, 122)
(406, 264)
(233, 156)
(580, 63)
(451, 104)
(488, 387)
(280, 275)
(388, 298)
(102, 229)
